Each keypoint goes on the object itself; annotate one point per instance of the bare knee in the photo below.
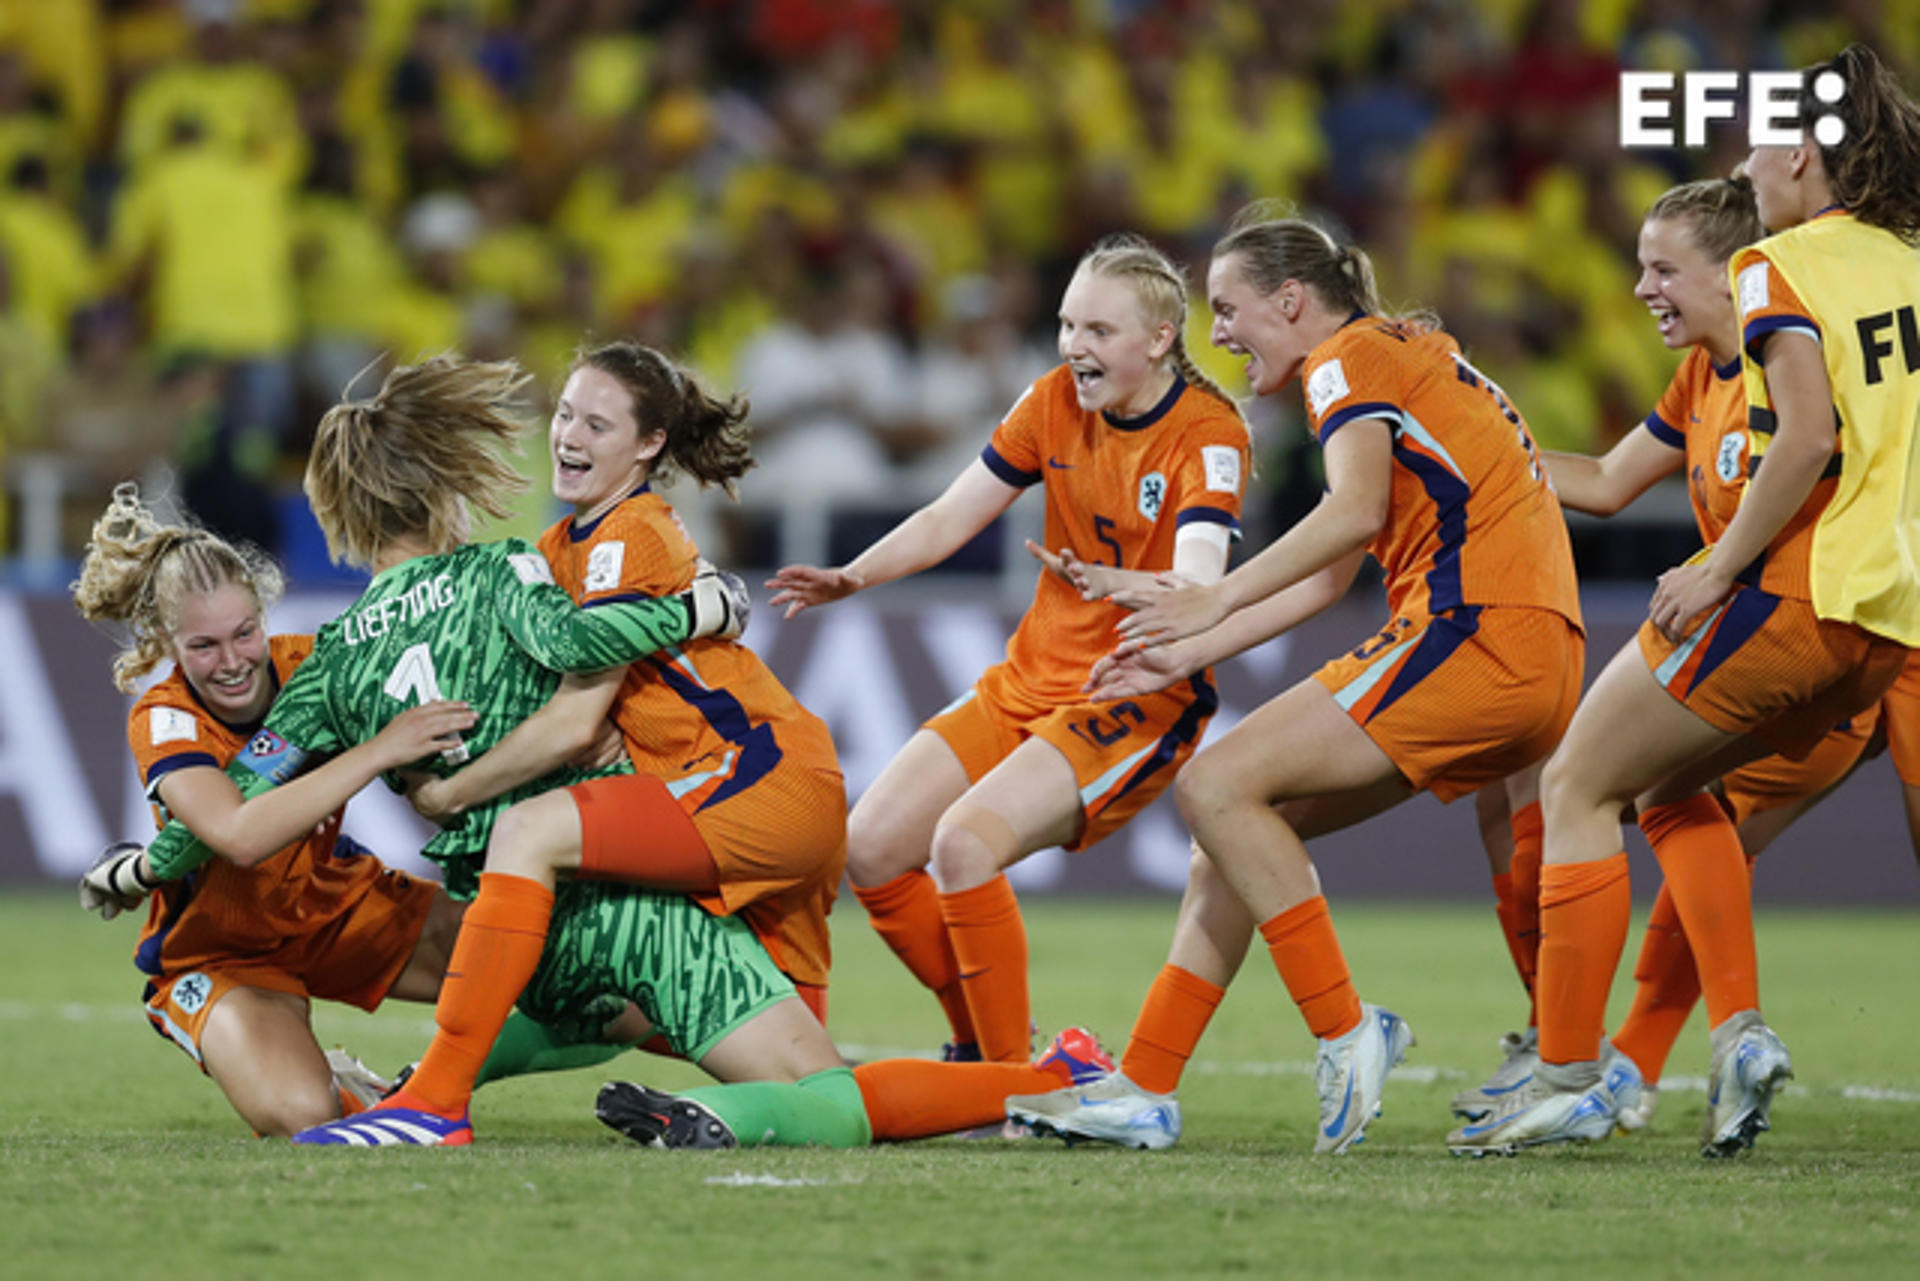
(881, 846)
(527, 840)
(961, 858)
(1202, 788)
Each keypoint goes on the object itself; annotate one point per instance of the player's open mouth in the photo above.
(234, 682)
(571, 466)
(1665, 318)
(1086, 378)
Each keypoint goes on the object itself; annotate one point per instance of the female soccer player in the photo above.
(390, 480)
(287, 914)
(738, 798)
(1143, 460)
(1473, 676)
(1800, 615)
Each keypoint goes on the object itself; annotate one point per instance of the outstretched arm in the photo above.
(1352, 512)
(923, 539)
(1602, 486)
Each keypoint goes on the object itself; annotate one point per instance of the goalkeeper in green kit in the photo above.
(390, 481)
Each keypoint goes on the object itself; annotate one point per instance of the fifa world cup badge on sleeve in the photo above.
(272, 757)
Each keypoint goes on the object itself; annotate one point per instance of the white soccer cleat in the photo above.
(1111, 1109)
(1350, 1074)
(1539, 1112)
(1521, 1051)
(1741, 1086)
(355, 1080)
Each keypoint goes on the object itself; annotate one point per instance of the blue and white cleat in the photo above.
(1521, 1054)
(1111, 1109)
(1540, 1112)
(1741, 1086)
(1350, 1074)
(390, 1127)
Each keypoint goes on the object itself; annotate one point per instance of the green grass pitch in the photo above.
(117, 1160)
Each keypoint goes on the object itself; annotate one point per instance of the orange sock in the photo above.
(990, 945)
(1667, 988)
(918, 1098)
(906, 913)
(1706, 868)
(1529, 835)
(1584, 912)
(496, 953)
(1307, 953)
(1171, 1022)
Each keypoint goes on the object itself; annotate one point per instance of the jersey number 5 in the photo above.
(413, 680)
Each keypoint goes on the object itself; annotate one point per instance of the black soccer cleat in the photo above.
(657, 1120)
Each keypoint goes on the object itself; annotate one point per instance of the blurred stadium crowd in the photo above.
(215, 213)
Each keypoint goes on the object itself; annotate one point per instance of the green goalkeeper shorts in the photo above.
(696, 976)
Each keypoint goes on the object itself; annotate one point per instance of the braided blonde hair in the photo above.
(138, 572)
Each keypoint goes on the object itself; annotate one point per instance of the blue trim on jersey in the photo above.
(1006, 471)
(1663, 432)
(1438, 641)
(1757, 330)
(1206, 700)
(1369, 409)
(627, 597)
(1729, 370)
(759, 751)
(581, 533)
(1152, 416)
(184, 760)
(1744, 615)
(1207, 516)
(1449, 494)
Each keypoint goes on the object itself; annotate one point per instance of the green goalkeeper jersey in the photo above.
(484, 624)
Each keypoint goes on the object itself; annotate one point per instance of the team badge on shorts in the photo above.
(1153, 492)
(191, 992)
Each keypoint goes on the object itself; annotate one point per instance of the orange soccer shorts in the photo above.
(1465, 698)
(1900, 713)
(777, 837)
(353, 958)
(1767, 666)
(1123, 753)
(1775, 781)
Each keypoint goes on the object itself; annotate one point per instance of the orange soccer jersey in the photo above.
(755, 771)
(281, 916)
(1703, 412)
(1118, 491)
(1472, 520)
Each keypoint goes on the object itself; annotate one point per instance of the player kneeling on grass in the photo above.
(292, 910)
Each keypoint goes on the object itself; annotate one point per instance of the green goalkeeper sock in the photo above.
(524, 1047)
(822, 1110)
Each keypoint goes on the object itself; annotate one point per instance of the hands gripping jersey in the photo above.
(484, 623)
(755, 770)
(1472, 519)
(1118, 491)
(1853, 548)
(1703, 412)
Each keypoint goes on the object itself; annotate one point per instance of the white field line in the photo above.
(1419, 1073)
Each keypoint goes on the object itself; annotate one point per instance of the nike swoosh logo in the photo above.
(974, 974)
(1339, 1121)
(1057, 464)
